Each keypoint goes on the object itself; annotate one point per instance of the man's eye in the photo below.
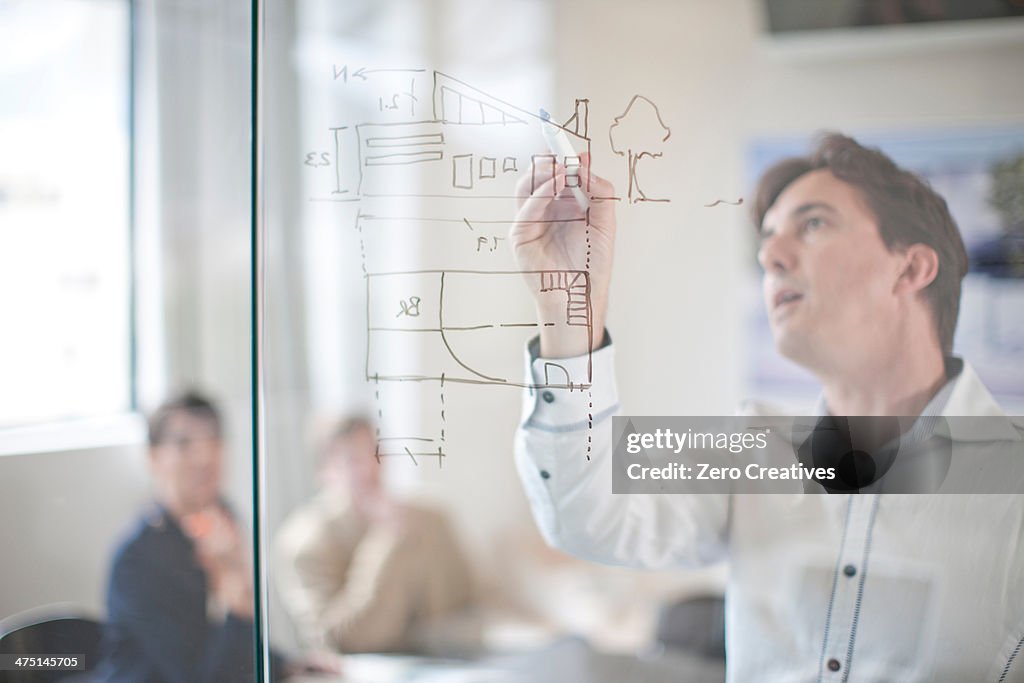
(814, 222)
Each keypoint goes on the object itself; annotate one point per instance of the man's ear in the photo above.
(920, 268)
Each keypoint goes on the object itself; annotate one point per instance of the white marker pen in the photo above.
(559, 145)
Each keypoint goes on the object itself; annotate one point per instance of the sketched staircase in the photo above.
(574, 282)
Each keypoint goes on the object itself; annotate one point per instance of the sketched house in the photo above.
(474, 145)
(449, 314)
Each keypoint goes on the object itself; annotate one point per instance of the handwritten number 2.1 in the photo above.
(483, 241)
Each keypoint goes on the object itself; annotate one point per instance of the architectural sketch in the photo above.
(432, 182)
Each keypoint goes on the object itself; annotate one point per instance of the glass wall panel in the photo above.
(125, 222)
(414, 442)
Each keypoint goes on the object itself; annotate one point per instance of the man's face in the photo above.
(351, 463)
(187, 462)
(828, 277)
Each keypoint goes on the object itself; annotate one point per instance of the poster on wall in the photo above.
(980, 173)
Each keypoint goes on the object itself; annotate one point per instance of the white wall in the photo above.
(680, 266)
(60, 516)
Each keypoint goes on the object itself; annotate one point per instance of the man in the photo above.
(360, 571)
(180, 596)
(862, 268)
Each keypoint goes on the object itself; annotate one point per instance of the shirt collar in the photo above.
(954, 366)
(963, 395)
(160, 519)
(970, 397)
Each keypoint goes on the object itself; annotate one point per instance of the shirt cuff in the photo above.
(569, 394)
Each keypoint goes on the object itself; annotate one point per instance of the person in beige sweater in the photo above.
(360, 571)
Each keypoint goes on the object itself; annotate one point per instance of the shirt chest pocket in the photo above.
(877, 620)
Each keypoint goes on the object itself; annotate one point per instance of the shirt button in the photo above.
(833, 665)
(548, 397)
(849, 570)
(544, 474)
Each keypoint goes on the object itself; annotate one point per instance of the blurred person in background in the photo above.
(180, 596)
(359, 570)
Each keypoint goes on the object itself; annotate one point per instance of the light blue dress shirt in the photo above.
(910, 587)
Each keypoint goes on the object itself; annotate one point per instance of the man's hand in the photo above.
(221, 553)
(552, 232)
(381, 510)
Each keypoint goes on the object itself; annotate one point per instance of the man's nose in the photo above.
(203, 453)
(777, 253)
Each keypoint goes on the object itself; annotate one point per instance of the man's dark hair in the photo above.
(348, 426)
(908, 212)
(190, 402)
(330, 432)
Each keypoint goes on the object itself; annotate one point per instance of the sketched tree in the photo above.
(636, 133)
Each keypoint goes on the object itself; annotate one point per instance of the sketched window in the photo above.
(65, 269)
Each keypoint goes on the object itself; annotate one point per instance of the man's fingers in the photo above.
(596, 185)
(540, 199)
(523, 186)
(535, 203)
(525, 183)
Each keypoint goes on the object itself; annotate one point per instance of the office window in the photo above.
(65, 257)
